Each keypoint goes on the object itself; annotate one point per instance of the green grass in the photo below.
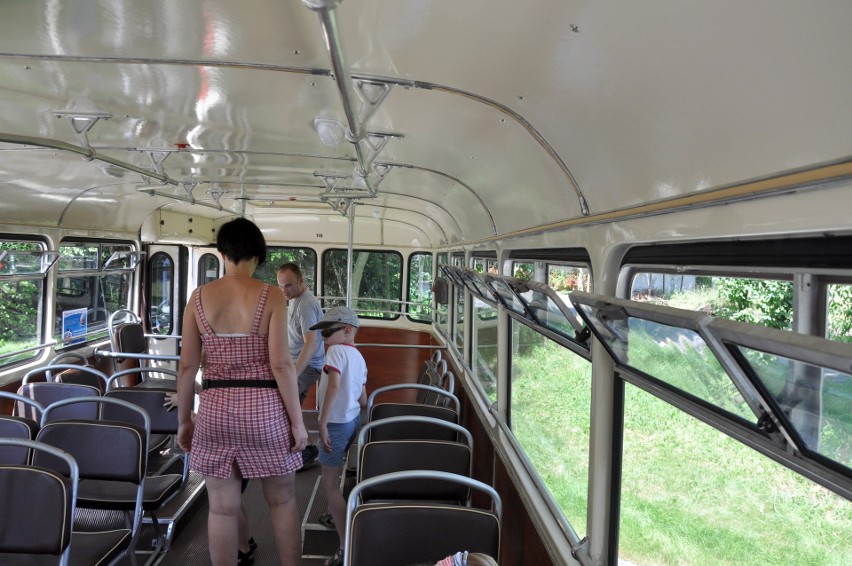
(690, 494)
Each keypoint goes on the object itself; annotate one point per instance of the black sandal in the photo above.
(326, 520)
(247, 558)
(336, 560)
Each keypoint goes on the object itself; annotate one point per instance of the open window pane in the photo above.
(815, 399)
(674, 355)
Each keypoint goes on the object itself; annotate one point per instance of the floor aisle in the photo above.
(190, 548)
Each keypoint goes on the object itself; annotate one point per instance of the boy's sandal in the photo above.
(326, 520)
(336, 560)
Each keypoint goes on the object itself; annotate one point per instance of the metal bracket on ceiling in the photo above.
(188, 187)
(81, 123)
(330, 181)
(376, 142)
(382, 170)
(216, 193)
(158, 156)
(372, 95)
(358, 190)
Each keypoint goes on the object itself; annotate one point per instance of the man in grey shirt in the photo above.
(306, 346)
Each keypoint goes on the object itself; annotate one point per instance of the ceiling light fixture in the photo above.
(330, 131)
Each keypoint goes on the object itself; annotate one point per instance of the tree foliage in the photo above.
(756, 301)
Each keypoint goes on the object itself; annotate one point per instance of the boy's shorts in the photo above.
(341, 436)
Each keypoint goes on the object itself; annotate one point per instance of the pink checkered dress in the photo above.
(246, 425)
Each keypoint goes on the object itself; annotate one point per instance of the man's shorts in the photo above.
(341, 436)
(306, 379)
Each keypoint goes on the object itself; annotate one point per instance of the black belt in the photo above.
(230, 383)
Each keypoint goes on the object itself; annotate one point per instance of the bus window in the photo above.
(162, 274)
(766, 302)
(815, 398)
(85, 284)
(305, 258)
(376, 282)
(566, 278)
(208, 269)
(485, 265)
(457, 260)
(458, 319)
(442, 318)
(21, 299)
(420, 286)
(839, 325)
(485, 346)
(550, 414)
(693, 495)
(523, 270)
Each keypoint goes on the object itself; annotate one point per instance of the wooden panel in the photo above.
(519, 541)
(387, 366)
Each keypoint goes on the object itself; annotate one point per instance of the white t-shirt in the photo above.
(346, 360)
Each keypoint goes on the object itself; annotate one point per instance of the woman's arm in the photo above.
(190, 360)
(283, 368)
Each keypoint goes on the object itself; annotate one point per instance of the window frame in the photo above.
(329, 301)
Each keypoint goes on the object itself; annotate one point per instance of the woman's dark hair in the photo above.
(240, 239)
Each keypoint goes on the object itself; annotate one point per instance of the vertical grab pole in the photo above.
(350, 215)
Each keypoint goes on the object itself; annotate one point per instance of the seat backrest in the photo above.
(430, 375)
(376, 411)
(130, 338)
(378, 458)
(126, 333)
(37, 513)
(104, 450)
(53, 369)
(163, 420)
(112, 457)
(107, 450)
(48, 393)
(414, 532)
(22, 428)
(412, 430)
(75, 374)
(154, 376)
(67, 358)
(416, 388)
(385, 456)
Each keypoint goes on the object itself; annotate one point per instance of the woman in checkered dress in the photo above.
(249, 421)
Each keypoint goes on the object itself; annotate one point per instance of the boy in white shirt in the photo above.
(342, 395)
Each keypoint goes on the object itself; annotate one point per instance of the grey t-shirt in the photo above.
(304, 312)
